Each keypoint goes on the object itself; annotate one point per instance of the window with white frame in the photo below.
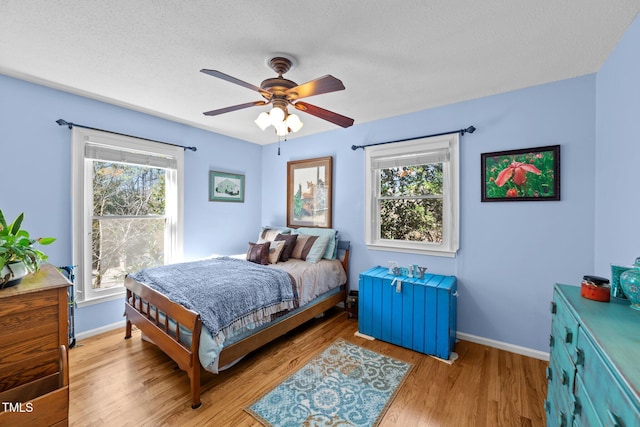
(127, 209)
(412, 196)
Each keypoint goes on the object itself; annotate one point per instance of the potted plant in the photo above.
(18, 255)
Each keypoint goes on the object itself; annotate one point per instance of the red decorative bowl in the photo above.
(597, 293)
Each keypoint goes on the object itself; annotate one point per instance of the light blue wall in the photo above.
(511, 254)
(617, 191)
(35, 178)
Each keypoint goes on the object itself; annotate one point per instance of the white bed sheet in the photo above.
(313, 280)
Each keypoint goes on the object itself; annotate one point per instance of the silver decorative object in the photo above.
(392, 267)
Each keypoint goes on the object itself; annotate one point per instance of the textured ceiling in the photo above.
(393, 57)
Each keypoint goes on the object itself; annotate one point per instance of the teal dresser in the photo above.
(419, 314)
(594, 365)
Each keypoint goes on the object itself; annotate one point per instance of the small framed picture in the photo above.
(529, 174)
(226, 187)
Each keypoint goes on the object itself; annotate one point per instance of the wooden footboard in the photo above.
(150, 311)
(143, 308)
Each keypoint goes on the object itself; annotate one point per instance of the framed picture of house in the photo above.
(530, 174)
(226, 187)
(309, 192)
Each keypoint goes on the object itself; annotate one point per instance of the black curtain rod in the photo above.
(62, 122)
(470, 129)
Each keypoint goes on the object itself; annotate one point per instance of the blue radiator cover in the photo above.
(421, 317)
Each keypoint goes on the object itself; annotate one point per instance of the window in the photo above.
(126, 209)
(412, 196)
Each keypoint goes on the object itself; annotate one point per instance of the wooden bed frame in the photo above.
(156, 327)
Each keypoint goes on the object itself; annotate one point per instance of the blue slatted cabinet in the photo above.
(420, 314)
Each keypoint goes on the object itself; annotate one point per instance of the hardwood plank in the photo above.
(114, 381)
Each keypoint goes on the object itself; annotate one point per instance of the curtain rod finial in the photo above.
(470, 129)
(62, 122)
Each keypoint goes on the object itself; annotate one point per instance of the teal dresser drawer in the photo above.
(584, 412)
(561, 375)
(611, 402)
(557, 416)
(561, 414)
(564, 325)
(561, 372)
(593, 374)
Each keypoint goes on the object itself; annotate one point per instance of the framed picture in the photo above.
(516, 175)
(309, 192)
(226, 187)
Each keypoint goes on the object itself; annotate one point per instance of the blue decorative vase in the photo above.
(630, 283)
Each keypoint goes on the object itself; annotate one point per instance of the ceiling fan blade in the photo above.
(234, 108)
(327, 115)
(324, 84)
(223, 76)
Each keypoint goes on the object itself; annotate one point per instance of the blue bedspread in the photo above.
(228, 293)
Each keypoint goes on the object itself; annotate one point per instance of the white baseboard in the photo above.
(525, 351)
(536, 354)
(100, 330)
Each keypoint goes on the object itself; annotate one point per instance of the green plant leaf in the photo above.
(15, 226)
(46, 240)
(16, 245)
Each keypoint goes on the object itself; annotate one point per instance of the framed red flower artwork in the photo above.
(530, 174)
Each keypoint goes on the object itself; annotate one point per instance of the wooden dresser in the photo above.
(419, 314)
(34, 337)
(594, 366)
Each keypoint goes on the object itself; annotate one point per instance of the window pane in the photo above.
(122, 246)
(411, 180)
(125, 245)
(411, 219)
(123, 189)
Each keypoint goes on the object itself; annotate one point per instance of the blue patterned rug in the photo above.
(345, 385)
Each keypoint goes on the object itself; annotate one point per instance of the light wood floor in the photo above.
(118, 382)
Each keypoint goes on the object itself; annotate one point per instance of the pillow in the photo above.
(317, 249)
(270, 233)
(303, 246)
(258, 253)
(289, 244)
(331, 250)
(275, 249)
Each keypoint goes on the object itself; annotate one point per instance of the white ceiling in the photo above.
(394, 57)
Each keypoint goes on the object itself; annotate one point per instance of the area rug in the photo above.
(345, 385)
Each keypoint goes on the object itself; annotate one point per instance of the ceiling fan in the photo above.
(281, 92)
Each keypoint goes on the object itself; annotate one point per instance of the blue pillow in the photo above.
(318, 249)
(331, 249)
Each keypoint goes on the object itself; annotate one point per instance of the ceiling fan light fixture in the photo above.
(279, 92)
(263, 121)
(276, 115)
(293, 122)
(282, 129)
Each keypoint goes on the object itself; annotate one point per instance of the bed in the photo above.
(179, 331)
